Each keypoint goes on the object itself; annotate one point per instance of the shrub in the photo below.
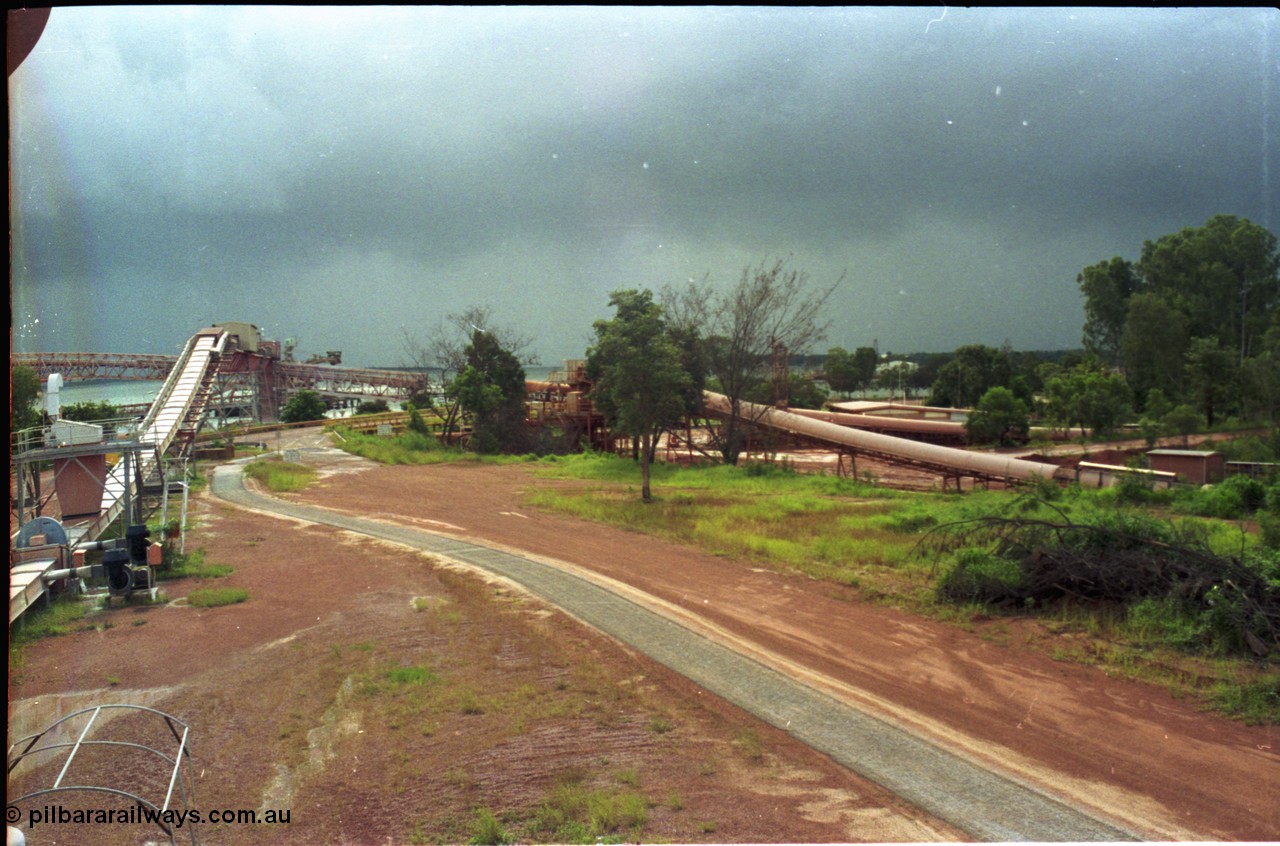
(1168, 622)
(304, 406)
(1269, 529)
(416, 424)
(487, 828)
(978, 576)
(1257, 703)
(1234, 498)
(1000, 417)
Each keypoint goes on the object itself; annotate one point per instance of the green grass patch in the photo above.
(394, 681)
(63, 615)
(1256, 702)
(215, 597)
(575, 813)
(825, 527)
(280, 476)
(416, 448)
(415, 676)
(178, 565)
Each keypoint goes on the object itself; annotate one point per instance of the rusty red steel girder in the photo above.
(77, 367)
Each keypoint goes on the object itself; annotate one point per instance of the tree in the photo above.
(1152, 345)
(1260, 379)
(771, 308)
(490, 389)
(974, 370)
(1184, 420)
(639, 375)
(802, 392)
(840, 371)
(445, 352)
(378, 406)
(1107, 287)
(999, 417)
(1086, 395)
(1212, 376)
(1153, 413)
(865, 360)
(847, 372)
(304, 406)
(415, 423)
(89, 411)
(1222, 276)
(1219, 281)
(24, 389)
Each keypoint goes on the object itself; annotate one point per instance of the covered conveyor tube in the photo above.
(962, 461)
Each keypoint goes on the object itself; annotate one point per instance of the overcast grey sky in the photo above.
(344, 175)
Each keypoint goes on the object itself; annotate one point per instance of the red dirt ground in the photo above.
(289, 708)
(1122, 747)
(261, 684)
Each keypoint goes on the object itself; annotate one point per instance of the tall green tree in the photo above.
(1107, 287)
(1224, 277)
(638, 368)
(1212, 375)
(1210, 291)
(1153, 345)
(1260, 379)
(491, 390)
(1086, 395)
(865, 360)
(847, 372)
(443, 353)
(840, 371)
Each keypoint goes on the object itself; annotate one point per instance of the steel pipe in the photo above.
(980, 463)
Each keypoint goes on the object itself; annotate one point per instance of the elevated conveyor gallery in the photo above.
(172, 418)
(174, 413)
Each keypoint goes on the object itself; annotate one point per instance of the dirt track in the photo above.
(533, 701)
(1126, 749)
(968, 796)
(1163, 768)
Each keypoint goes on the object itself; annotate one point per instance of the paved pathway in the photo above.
(981, 803)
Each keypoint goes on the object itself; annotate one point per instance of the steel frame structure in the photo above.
(180, 778)
(78, 367)
(346, 383)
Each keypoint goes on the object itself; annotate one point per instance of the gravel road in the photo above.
(984, 804)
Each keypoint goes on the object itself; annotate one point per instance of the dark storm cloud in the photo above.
(338, 173)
